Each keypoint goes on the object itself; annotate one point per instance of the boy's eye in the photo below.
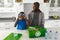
(23, 14)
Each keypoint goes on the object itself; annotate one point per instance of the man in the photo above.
(36, 17)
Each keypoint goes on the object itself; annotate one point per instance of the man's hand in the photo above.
(28, 23)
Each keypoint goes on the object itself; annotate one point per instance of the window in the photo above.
(55, 3)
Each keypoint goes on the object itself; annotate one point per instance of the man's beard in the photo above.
(36, 10)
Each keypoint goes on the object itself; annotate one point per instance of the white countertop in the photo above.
(5, 32)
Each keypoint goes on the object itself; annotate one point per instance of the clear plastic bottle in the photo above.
(56, 35)
(50, 35)
(46, 35)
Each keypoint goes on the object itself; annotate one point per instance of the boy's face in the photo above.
(21, 14)
(21, 17)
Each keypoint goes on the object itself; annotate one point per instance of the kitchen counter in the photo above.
(6, 31)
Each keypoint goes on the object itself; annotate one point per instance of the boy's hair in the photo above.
(21, 13)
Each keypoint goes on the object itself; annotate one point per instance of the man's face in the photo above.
(35, 7)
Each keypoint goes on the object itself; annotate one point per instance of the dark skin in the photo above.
(35, 8)
(17, 20)
(22, 18)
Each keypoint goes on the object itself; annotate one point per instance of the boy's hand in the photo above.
(14, 26)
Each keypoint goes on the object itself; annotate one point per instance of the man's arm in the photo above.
(29, 18)
(42, 20)
(28, 21)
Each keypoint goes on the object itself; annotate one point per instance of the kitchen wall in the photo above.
(27, 7)
(43, 7)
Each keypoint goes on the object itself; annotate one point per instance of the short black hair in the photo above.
(36, 3)
(22, 12)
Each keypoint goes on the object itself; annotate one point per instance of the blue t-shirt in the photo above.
(21, 24)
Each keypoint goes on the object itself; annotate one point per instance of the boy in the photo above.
(21, 21)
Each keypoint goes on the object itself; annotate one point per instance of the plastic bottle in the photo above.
(56, 35)
(50, 35)
(46, 35)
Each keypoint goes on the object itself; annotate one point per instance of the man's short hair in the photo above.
(36, 3)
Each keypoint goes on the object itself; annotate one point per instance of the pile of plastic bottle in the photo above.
(50, 35)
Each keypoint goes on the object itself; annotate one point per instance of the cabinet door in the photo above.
(8, 3)
(1, 3)
(52, 23)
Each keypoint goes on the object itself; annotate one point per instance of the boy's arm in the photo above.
(16, 23)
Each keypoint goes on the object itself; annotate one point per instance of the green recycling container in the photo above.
(35, 32)
(12, 37)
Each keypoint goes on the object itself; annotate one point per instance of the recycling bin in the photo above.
(35, 32)
(12, 37)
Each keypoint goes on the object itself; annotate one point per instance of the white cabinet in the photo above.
(6, 25)
(32, 1)
(7, 12)
(52, 23)
(7, 5)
